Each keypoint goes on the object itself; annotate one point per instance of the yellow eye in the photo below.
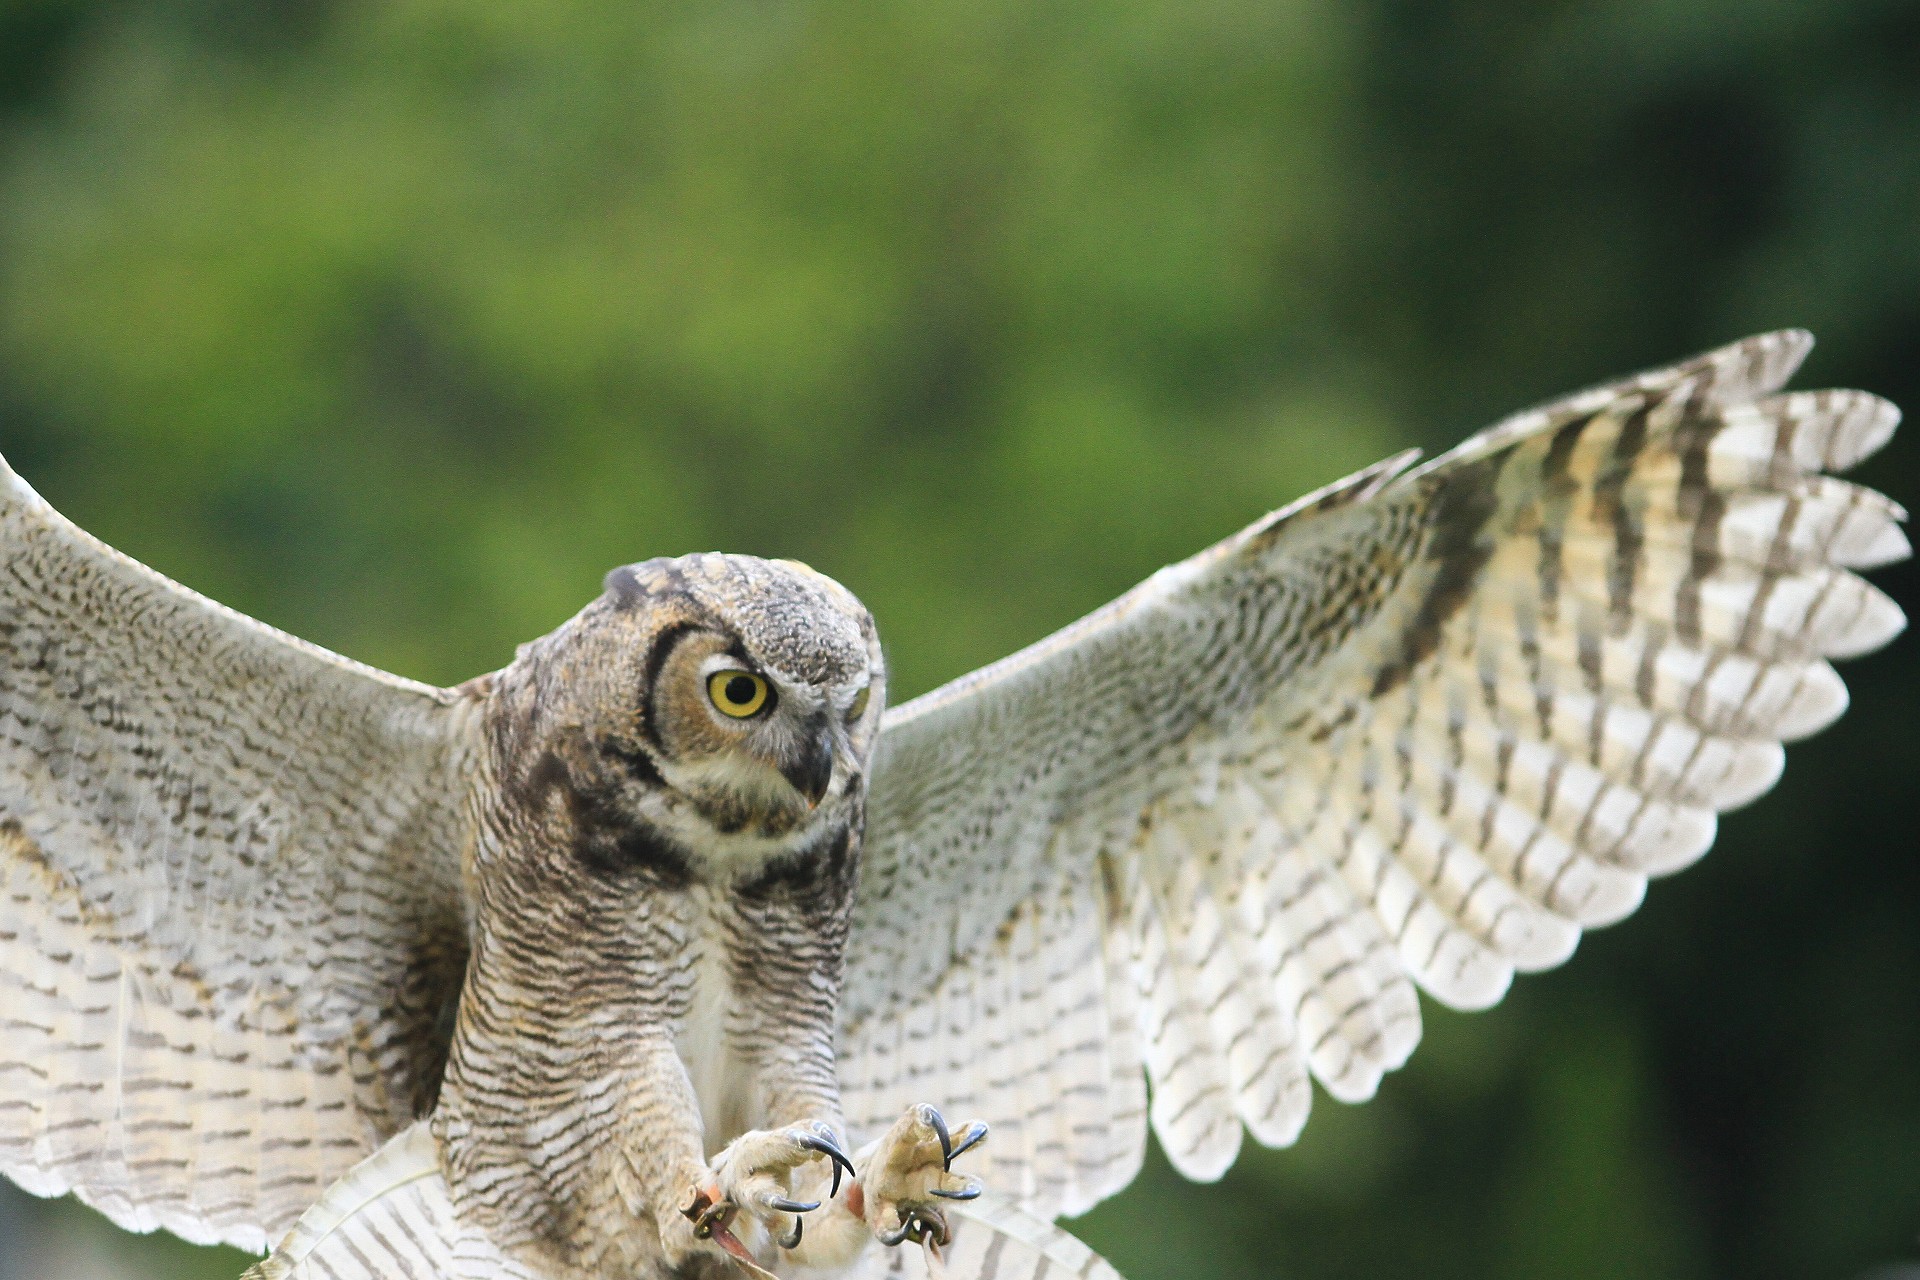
(859, 707)
(738, 693)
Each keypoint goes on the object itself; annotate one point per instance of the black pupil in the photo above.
(740, 690)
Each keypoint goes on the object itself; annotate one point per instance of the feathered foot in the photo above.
(909, 1171)
(753, 1175)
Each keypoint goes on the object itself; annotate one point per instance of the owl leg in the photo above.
(908, 1171)
(752, 1183)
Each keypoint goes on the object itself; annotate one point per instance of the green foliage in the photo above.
(399, 324)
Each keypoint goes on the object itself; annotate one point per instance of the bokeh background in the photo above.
(396, 324)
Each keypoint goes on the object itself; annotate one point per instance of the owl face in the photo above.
(709, 707)
(749, 741)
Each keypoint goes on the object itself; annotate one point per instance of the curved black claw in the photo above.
(976, 1134)
(917, 1226)
(793, 1241)
(826, 1146)
(925, 1223)
(931, 1114)
(785, 1205)
(969, 1192)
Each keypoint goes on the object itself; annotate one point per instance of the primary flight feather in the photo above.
(664, 949)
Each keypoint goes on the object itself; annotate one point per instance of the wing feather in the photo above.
(230, 914)
(1421, 728)
(389, 1217)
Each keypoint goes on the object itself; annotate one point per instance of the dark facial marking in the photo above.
(650, 674)
(609, 841)
(826, 865)
(616, 845)
(638, 764)
(813, 770)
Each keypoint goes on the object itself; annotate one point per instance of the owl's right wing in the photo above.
(1422, 728)
(390, 1217)
(231, 920)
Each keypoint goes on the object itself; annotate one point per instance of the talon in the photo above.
(918, 1226)
(927, 1224)
(785, 1205)
(975, 1135)
(902, 1182)
(827, 1147)
(931, 1115)
(793, 1241)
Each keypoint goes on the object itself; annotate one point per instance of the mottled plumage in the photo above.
(615, 950)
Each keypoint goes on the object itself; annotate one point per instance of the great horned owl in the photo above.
(655, 952)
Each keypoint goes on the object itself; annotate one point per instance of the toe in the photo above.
(953, 1186)
(972, 1136)
(930, 1116)
(819, 1142)
(911, 1172)
(755, 1177)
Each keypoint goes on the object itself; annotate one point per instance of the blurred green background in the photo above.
(397, 324)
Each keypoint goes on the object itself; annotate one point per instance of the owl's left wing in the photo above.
(1424, 726)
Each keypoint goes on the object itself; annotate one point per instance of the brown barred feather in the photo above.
(1465, 711)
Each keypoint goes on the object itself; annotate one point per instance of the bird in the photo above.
(671, 949)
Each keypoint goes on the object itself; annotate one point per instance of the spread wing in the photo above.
(389, 1218)
(230, 912)
(1421, 728)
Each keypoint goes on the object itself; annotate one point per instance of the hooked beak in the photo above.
(812, 771)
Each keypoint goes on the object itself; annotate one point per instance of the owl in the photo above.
(672, 950)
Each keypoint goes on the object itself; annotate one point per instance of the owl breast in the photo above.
(721, 1081)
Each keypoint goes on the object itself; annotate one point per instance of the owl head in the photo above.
(707, 707)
